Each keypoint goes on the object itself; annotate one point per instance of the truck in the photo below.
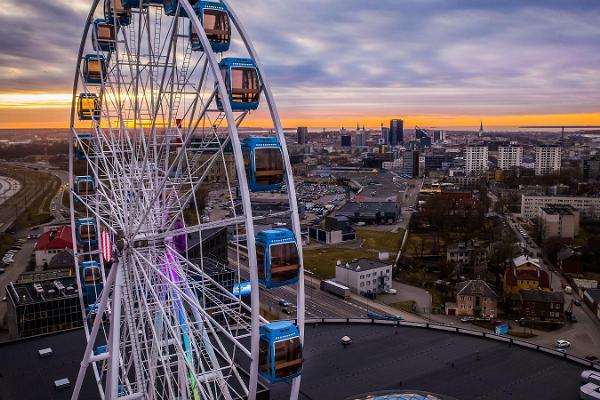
(335, 288)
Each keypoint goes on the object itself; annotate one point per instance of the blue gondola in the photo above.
(215, 20)
(84, 185)
(277, 257)
(280, 354)
(87, 234)
(145, 3)
(91, 280)
(103, 37)
(88, 107)
(84, 145)
(264, 163)
(94, 69)
(171, 8)
(242, 82)
(115, 10)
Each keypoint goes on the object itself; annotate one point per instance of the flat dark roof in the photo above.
(464, 367)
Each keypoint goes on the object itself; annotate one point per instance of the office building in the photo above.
(476, 159)
(439, 136)
(396, 132)
(365, 276)
(302, 135)
(509, 157)
(547, 159)
(559, 221)
(410, 164)
(361, 138)
(590, 168)
(385, 135)
(346, 140)
(587, 206)
(40, 303)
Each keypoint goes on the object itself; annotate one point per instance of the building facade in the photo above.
(476, 298)
(410, 164)
(525, 273)
(471, 255)
(476, 159)
(510, 157)
(587, 206)
(302, 135)
(542, 305)
(365, 276)
(559, 221)
(396, 132)
(547, 159)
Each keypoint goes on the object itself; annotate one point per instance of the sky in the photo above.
(438, 63)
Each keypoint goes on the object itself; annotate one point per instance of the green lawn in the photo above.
(387, 241)
(322, 261)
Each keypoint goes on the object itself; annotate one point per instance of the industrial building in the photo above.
(364, 276)
(370, 213)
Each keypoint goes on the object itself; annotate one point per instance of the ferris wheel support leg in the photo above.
(92, 338)
(112, 385)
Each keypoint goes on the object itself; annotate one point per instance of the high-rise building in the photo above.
(346, 140)
(410, 164)
(547, 159)
(302, 135)
(510, 156)
(439, 136)
(396, 132)
(385, 135)
(361, 138)
(476, 159)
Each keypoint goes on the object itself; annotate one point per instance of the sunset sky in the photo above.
(338, 62)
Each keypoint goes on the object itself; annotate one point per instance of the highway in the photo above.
(8, 188)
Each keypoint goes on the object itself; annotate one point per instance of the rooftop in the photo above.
(363, 264)
(42, 291)
(554, 209)
(475, 288)
(349, 209)
(55, 239)
(542, 296)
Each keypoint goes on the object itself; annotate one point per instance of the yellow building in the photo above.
(525, 273)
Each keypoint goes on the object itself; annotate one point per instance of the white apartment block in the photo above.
(547, 159)
(365, 276)
(587, 206)
(510, 157)
(476, 159)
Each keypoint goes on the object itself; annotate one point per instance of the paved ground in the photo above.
(408, 292)
(387, 358)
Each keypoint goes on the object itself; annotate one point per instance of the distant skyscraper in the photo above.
(361, 138)
(547, 159)
(346, 140)
(385, 134)
(410, 163)
(439, 136)
(302, 135)
(396, 132)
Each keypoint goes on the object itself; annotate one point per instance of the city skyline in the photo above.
(508, 64)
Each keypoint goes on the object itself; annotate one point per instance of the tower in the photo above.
(481, 129)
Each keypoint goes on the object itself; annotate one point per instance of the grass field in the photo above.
(322, 261)
(387, 241)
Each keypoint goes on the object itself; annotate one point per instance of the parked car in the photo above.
(467, 319)
(562, 344)
(577, 303)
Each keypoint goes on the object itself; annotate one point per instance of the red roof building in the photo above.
(51, 243)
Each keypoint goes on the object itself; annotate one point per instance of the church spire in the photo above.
(481, 129)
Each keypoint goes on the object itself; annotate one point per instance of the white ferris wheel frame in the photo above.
(114, 279)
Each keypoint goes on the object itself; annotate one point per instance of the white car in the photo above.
(562, 344)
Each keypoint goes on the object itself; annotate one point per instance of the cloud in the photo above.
(389, 56)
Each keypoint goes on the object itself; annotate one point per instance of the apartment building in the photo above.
(587, 206)
(547, 159)
(509, 157)
(476, 159)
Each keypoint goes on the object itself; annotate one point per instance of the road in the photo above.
(8, 188)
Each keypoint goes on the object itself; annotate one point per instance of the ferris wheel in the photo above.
(161, 90)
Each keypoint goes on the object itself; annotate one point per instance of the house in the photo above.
(63, 261)
(525, 273)
(336, 229)
(568, 260)
(542, 305)
(364, 276)
(476, 298)
(471, 255)
(52, 242)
